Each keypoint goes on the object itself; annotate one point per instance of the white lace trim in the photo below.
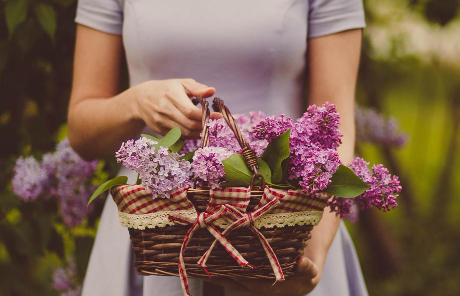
(157, 219)
(160, 219)
(289, 219)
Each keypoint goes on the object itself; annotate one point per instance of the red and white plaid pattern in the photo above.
(293, 201)
(238, 197)
(136, 200)
(227, 203)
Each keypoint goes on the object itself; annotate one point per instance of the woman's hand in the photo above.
(164, 104)
(303, 282)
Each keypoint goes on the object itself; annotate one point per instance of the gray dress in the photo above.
(254, 53)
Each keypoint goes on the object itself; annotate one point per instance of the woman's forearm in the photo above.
(97, 126)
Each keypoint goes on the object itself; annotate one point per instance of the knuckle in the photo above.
(189, 80)
(186, 132)
(188, 112)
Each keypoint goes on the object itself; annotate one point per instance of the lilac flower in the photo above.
(271, 127)
(372, 127)
(319, 126)
(159, 170)
(314, 139)
(382, 193)
(72, 177)
(207, 165)
(63, 278)
(313, 167)
(190, 145)
(30, 179)
(341, 206)
(220, 135)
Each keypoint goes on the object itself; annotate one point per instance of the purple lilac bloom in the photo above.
(372, 127)
(320, 126)
(160, 170)
(271, 127)
(30, 179)
(220, 135)
(382, 193)
(314, 139)
(313, 168)
(207, 165)
(63, 278)
(190, 145)
(73, 187)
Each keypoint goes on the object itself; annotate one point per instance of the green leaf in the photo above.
(176, 147)
(170, 138)
(189, 155)
(345, 183)
(238, 174)
(46, 18)
(120, 180)
(15, 14)
(275, 153)
(150, 137)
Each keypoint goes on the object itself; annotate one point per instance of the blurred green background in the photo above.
(410, 69)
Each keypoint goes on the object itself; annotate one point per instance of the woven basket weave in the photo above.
(157, 249)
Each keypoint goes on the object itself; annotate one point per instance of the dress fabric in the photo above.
(254, 53)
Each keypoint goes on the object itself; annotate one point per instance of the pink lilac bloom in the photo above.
(160, 170)
(314, 139)
(207, 165)
(271, 127)
(320, 126)
(382, 194)
(373, 127)
(30, 179)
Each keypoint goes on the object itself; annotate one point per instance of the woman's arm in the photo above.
(100, 119)
(333, 65)
(333, 68)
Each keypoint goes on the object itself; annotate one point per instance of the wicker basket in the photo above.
(157, 249)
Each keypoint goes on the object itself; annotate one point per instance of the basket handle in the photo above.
(248, 153)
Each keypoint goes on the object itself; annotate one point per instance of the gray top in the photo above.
(254, 53)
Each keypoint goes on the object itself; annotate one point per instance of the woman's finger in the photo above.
(175, 115)
(182, 102)
(193, 88)
(306, 267)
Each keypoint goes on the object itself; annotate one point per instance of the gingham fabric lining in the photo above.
(137, 209)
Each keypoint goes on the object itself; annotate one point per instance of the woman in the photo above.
(254, 54)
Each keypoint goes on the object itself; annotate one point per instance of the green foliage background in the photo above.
(413, 250)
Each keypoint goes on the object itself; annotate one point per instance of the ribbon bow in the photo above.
(205, 220)
(247, 220)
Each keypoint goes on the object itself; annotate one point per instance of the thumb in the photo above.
(307, 267)
(193, 88)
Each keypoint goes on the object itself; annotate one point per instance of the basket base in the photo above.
(157, 251)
